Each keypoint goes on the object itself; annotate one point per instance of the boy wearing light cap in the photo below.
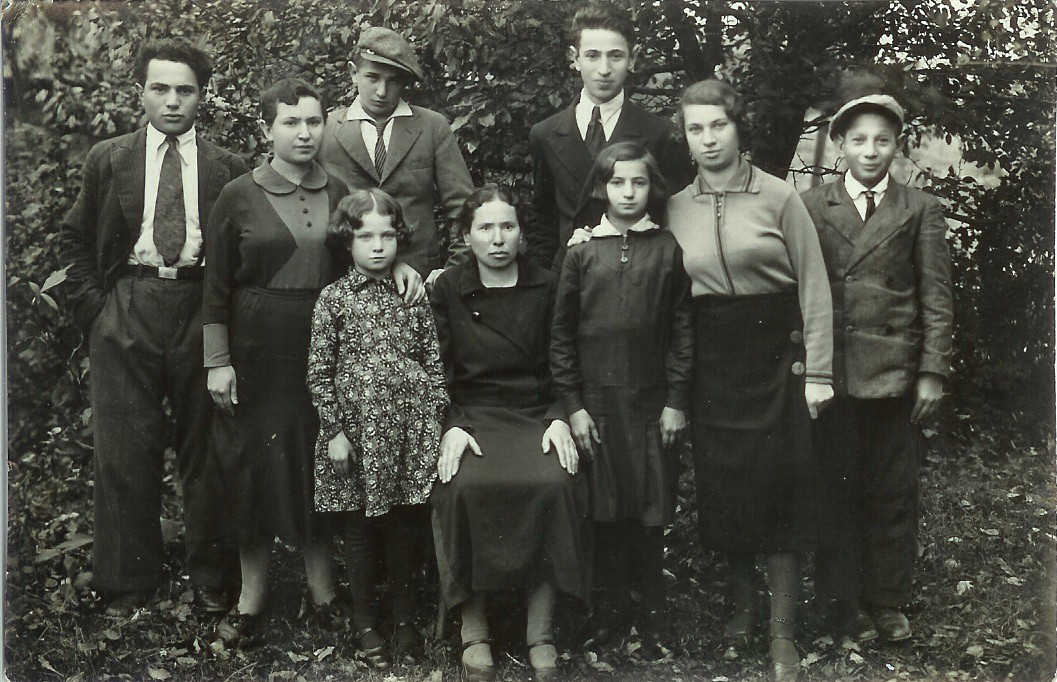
(889, 270)
(409, 152)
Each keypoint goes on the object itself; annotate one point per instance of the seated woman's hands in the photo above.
(452, 446)
(584, 431)
(817, 395)
(558, 437)
(672, 423)
(408, 282)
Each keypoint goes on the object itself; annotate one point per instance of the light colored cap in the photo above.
(839, 122)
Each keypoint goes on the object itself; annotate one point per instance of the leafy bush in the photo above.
(496, 68)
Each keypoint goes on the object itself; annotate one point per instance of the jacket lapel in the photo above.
(891, 214)
(405, 132)
(630, 126)
(349, 137)
(129, 163)
(841, 213)
(211, 178)
(515, 325)
(568, 147)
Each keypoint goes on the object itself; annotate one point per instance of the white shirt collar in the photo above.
(186, 143)
(606, 229)
(856, 188)
(606, 109)
(356, 112)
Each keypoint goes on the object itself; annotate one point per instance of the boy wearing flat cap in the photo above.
(889, 271)
(408, 151)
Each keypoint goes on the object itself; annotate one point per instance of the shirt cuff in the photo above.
(934, 364)
(215, 345)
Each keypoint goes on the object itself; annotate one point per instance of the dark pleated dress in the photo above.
(265, 265)
(514, 517)
(750, 425)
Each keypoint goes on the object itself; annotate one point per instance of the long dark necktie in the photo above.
(596, 137)
(870, 205)
(379, 146)
(170, 220)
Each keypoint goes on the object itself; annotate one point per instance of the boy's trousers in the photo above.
(868, 453)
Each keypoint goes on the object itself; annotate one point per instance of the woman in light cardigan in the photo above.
(763, 354)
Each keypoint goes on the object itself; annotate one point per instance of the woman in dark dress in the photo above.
(510, 510)
(265, 264)
(763, 353)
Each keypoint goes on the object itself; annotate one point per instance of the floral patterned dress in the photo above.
(374, 372)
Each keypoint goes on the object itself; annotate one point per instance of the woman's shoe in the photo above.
(371, 648)
(785, 666)
(652, 646)
(241, 630)
(477, 673)
(544, 660)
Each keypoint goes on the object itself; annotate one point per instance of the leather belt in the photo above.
(190, 272)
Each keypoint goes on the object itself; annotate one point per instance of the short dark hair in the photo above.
(599, 15)
(602, 172)
(718, 93)
(287, 91)
(480, 197)
(846, 120)
(175, 50)
(347, 217)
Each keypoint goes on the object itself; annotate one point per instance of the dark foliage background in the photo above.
(983, 72)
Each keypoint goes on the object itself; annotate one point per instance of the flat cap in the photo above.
(885, 105)
(386, 46)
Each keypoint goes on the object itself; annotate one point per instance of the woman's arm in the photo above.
(816, 301)
(440, 300)
(427, 355)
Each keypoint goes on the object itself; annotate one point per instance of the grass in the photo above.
(984, 610)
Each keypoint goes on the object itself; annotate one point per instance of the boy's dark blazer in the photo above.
(561, 164)
(98, 233)
(423, 167)
(893, 315)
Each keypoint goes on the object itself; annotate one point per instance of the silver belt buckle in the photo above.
(167, 273)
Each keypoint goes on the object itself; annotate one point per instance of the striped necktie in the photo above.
(170, 221)
(379, 146)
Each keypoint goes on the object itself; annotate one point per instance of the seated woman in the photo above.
(513, 514)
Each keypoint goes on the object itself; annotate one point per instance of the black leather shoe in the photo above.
(891, 624)
(210, 600)
(240, 630)
(845, 617)
(127, 603)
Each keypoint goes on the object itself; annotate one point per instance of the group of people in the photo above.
(532, 412)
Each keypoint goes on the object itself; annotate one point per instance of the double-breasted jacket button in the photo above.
(308, 224)
(849, 329)
(849, 278)
(798, 368)
(889, 330)
(796, 336)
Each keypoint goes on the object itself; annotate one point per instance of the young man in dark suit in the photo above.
(133, 242)
(889, 270)
(409, 152)
(564, 146)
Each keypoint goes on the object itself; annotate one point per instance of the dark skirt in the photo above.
(512, 518)
(633, 476)
(266, 450)
(751, 430)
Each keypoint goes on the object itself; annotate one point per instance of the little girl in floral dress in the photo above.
(376, 378)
